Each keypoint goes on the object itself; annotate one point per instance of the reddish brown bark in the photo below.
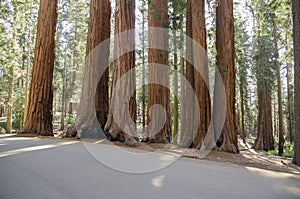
(225, 62)
(201, 75)
(99, 31)
(40, 105)
(157, 94)
(296, 31)
(124, 64)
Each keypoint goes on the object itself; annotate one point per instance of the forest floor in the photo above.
(246, 158)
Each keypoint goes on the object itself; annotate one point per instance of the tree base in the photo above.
(230, 148)
(123, 137)
(70, 132)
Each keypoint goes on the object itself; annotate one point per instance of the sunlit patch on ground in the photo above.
(35, 148)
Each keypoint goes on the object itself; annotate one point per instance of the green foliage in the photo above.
(287, 152)
(71, 119)
(15, 125)
(17, 27)
(70, 51)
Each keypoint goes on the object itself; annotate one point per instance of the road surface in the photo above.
(47, 168)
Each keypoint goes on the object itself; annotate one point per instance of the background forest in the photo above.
(263, 80)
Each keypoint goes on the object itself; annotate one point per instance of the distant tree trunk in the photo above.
(290, 120)
(63, 96)
(242, 84)
(144, 18)
(10, 100)
(296, 31)
(121, 129)
(10, 93)
(279, 95)
(1, 111)
(175, 82)
(11, 78)
(275, 119)
(258, 144)
(225, 61)
(268, 126)
(182, 95)
(74, 68)
(264, 140)
(27, 77)
(157, 94)
(40, 113)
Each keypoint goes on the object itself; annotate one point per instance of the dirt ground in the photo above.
(246, 158)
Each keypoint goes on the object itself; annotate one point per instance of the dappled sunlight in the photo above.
(291, 189)
(272, 174)
(17, 138)
(35, 148)
(158, 181)
(167, 157)
(6, 135)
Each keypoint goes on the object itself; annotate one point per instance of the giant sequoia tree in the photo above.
(225, 61)
(39, 113)
(197, 71)
(264, 75)
(296, 31)
(99, 31)
(94, 94)
(158, 94)
(123, 97)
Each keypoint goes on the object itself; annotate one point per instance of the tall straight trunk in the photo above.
(63, 96)
(74, 67)
(27, 77)
(264, 140)
(99, 31)
(197, 75)
(40, 114)
(296, 31)
(182, 95)
(201, 77)
(258, 144)
(290, 119)
(143, 69)
(275, 120)
(118, 123)
(225, 62)
(289, 94)
(268, 126)
(10, 99)
(279, 94)
(90, 123)
(157, 94)
(175, 82)
(11, 78)
(242, 116)
(189, 103)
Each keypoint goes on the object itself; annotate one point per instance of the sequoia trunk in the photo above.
(157, 94)
(40, 104)
(296, 31)
(225, 62)
(122, 110)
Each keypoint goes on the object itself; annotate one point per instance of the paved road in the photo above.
(34, 168)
